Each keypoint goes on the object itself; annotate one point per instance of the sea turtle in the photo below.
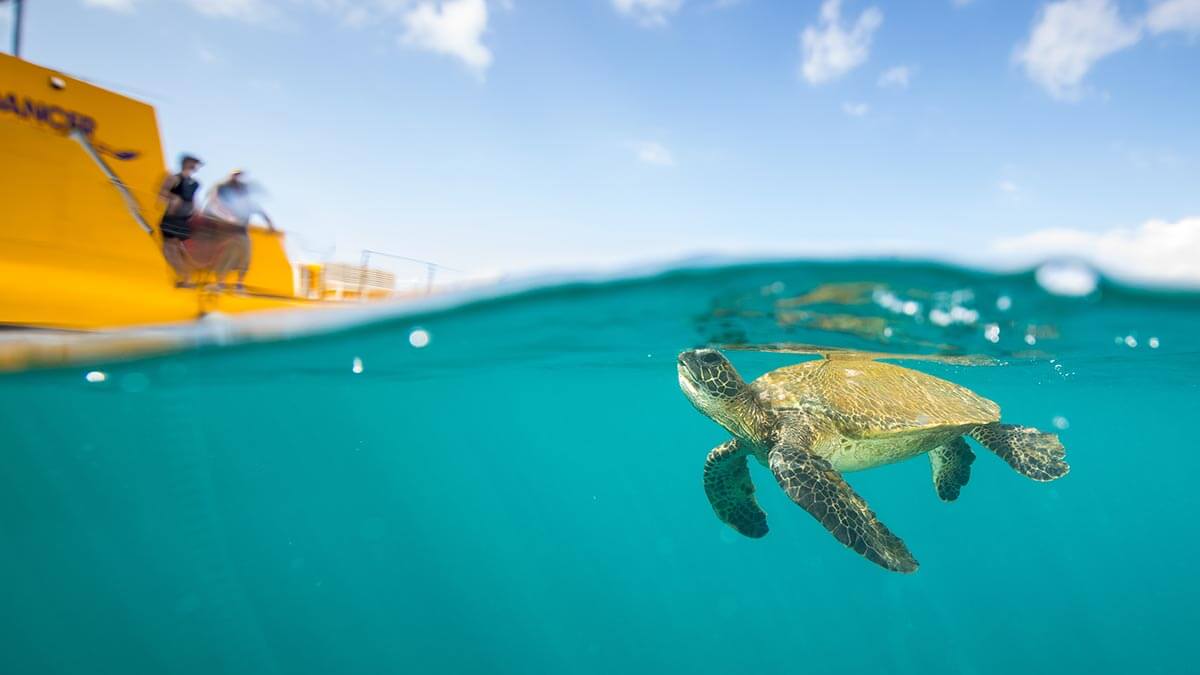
(811, 422)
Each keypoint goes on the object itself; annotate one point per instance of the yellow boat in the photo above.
(80, 251)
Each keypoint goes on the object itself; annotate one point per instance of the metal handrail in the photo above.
(130, 203)
(431, 268)
(18, 25)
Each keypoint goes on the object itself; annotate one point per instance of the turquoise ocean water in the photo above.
(523, 495)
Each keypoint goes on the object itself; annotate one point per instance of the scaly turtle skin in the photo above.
(810, 422)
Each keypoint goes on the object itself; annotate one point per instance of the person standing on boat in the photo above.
(179, 192)
(230, 201)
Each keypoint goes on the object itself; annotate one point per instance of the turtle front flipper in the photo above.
(951, 468)
(731, 492)
(812, 483)
(1031, 453)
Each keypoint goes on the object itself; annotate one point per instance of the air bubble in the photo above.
(418, 338)
(961, 314)
(95, 376)
(356, 366)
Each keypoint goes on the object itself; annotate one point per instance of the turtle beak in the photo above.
(687, 381)
(687, 364)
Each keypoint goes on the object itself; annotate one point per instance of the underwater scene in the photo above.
(515, 485)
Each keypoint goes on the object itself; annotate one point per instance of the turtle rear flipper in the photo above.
(731, 492)
(1032, 453)
(811, 482)
(951, 468)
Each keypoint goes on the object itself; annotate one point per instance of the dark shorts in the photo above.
(176, 227)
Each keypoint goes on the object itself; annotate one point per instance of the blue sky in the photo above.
(509, 135)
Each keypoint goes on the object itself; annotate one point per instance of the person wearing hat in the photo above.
(231, 201)
(179, 192)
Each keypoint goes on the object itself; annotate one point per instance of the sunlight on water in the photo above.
(515, 486)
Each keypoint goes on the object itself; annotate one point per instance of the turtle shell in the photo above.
(870, 399)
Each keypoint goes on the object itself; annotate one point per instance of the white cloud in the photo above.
(114, 5)
(1157, 252)
(648, 12)
(451, 27)
(250, 11)
(961, 3)
(830, 50)
(650, 152)
(896, 77)
(1068, 38)
(1008, 187)
(855, 109)
(1171, 15)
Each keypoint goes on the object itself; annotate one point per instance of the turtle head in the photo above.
(712, 384)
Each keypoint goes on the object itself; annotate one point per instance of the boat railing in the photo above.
(119, 185)
(410, 276)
